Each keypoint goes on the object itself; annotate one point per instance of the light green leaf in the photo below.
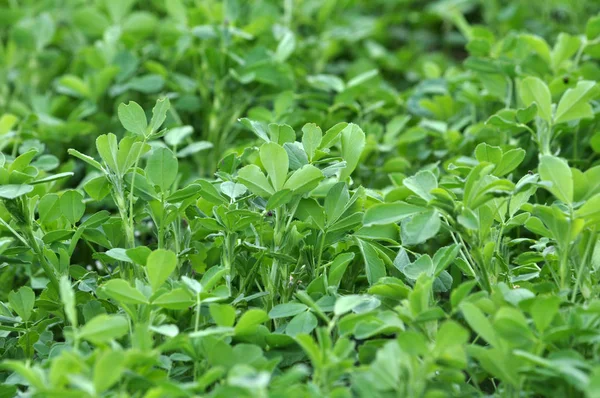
(133, 118)
(479, 323)
(177, 299)
(566, 46)
(304, 322)
(311, 139)
(286, 310)
(386, 213)
(72, 206)
(338, 267)
(12, 191)
(275, 161)
(103, 328)
(107, 147)
(421, 184)
(108, 368)
(574, 104)
(280, 198)
(67, 296)
(336, 201)
(534, 90)
(232, 190)
(254, 179)
(420, 227)
(374, 266)
(159, 114)
(22, 302)
(223, 314)
(352, 144)
(160, 264)
(161, 168)
(121, 291)
(423, 264)
(556, 171)
(304, 180)
(49, 208)
(88, 159)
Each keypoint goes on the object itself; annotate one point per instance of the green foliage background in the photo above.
(299, 198)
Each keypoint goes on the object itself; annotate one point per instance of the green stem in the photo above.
(198, 305)
(135, 165)
(588, 250)
(320, 253)
(48, 270)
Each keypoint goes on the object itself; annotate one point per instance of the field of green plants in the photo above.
(300, 198)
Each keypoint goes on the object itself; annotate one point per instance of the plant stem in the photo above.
(135, 165)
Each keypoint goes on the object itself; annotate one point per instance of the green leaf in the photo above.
(67, 296)
(160, 264)
(286, 46)
(249, 320)
(311, 139)
(138, 255)
(71, 206)
(177, 299)
(133, 118)
(488, 153)
(159, 114)
(556, 171)
(232, 190)
(254, 179)
(257, 127)
(421, 184)
(565, 47)
(281, 133)
(387, 213)
(22, 302)
(103, 328)
(543, 311)
(98, 188)
(279, 199)
(338, 267)
(88, 159)
(574, 104)
(7, 122)
(304, 322)
(590, 211)
(304, 180)
(275, 161)
(161, 168)
(374, 266)
(223, 314)
(335, 202)
(352, 144)
(355, 302)
(479, 323)
(286, 310)
(592, 28)
(421, 227)
(49, 208)
(510, 161)
(444, 257)
(210, 193)
(107, 147)
(331, 136)
(12, 191)
(108, 367)
(423, 264)
(121, 291)
(53, 177)
(534, 90)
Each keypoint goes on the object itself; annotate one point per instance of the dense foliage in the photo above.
(317, 198)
